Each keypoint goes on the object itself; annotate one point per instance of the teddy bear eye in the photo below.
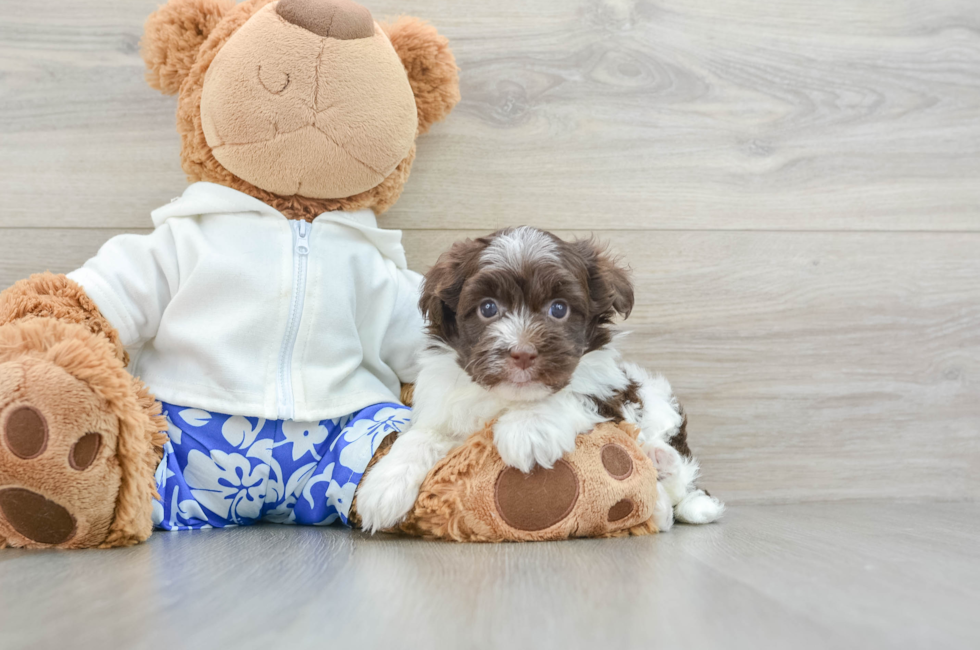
(273, 81)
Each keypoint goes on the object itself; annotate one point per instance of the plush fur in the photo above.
(46, 295)
(172, 38)
(431, 68)
(179, 61)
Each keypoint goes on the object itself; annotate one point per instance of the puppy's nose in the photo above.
(523, 359)
(341, 19)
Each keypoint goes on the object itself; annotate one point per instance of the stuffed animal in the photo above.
(244, 361)
(607, 487)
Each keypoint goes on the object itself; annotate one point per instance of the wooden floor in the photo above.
(796, 185)
(854, 574)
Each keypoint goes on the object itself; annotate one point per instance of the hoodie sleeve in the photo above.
(131, 280)
(405, 336)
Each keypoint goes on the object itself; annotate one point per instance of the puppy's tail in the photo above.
(698, 507)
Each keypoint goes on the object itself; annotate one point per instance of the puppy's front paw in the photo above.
(386, 496)
(524, 442)
(665, 459)
(663, 510)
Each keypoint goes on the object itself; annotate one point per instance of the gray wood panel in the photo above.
(736, 114)
(867, 574)
(812, 365)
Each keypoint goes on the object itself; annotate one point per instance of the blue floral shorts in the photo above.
(228, 470)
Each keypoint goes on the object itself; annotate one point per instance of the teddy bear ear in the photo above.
(172, 36)
(430, 65)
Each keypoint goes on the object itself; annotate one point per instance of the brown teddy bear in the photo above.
(243, 362)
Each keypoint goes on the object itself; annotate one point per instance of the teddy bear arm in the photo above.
(56, 296)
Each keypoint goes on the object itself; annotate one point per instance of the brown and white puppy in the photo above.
(519, 327)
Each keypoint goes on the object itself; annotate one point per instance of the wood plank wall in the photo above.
(796, 186)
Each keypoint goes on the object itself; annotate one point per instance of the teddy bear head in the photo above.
(308, 105)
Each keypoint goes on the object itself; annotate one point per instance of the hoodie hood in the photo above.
(202, 199)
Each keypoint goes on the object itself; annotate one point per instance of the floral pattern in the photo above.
(228, 470)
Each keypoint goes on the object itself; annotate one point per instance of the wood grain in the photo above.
(812, 365)
(625, 114)
(820, 575)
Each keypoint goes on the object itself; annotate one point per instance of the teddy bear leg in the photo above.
(58, 481)
(607, 487)
(77, 440)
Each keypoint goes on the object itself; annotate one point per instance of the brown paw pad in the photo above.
(617, 462)
(35, 517)
(621, 510)
(84, 451)
(539, 499)
(26, 432)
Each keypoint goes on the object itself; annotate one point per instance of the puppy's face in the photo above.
(521, 307)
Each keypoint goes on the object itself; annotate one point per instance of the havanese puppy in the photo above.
(519, 327)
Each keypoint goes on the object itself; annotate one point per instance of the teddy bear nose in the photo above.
(341, 19)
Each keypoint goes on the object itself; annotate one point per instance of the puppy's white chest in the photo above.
(477, 414)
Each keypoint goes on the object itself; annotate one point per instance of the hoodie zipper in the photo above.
(301, 252)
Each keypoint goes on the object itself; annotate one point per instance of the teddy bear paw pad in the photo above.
(36, 518)
(621, 510)
(617, 461)
(58, 474)
(26, 432)
(537, 500)
(30, 514)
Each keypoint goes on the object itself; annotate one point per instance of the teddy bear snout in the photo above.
(340, 19)
(296, 113)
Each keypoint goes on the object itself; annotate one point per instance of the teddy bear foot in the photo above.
(80, 440)
(606, 487)
(59, 477)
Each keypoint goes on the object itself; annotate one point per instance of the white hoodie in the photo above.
(230, 307)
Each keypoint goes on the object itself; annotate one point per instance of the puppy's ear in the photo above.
(172, 36)
(430, 65)
(444, 284)
(615, 282)
(610, 289)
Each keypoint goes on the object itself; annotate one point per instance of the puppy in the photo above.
(519, 328)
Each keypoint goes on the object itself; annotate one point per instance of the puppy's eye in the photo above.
(488, 309)
(559, 309)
